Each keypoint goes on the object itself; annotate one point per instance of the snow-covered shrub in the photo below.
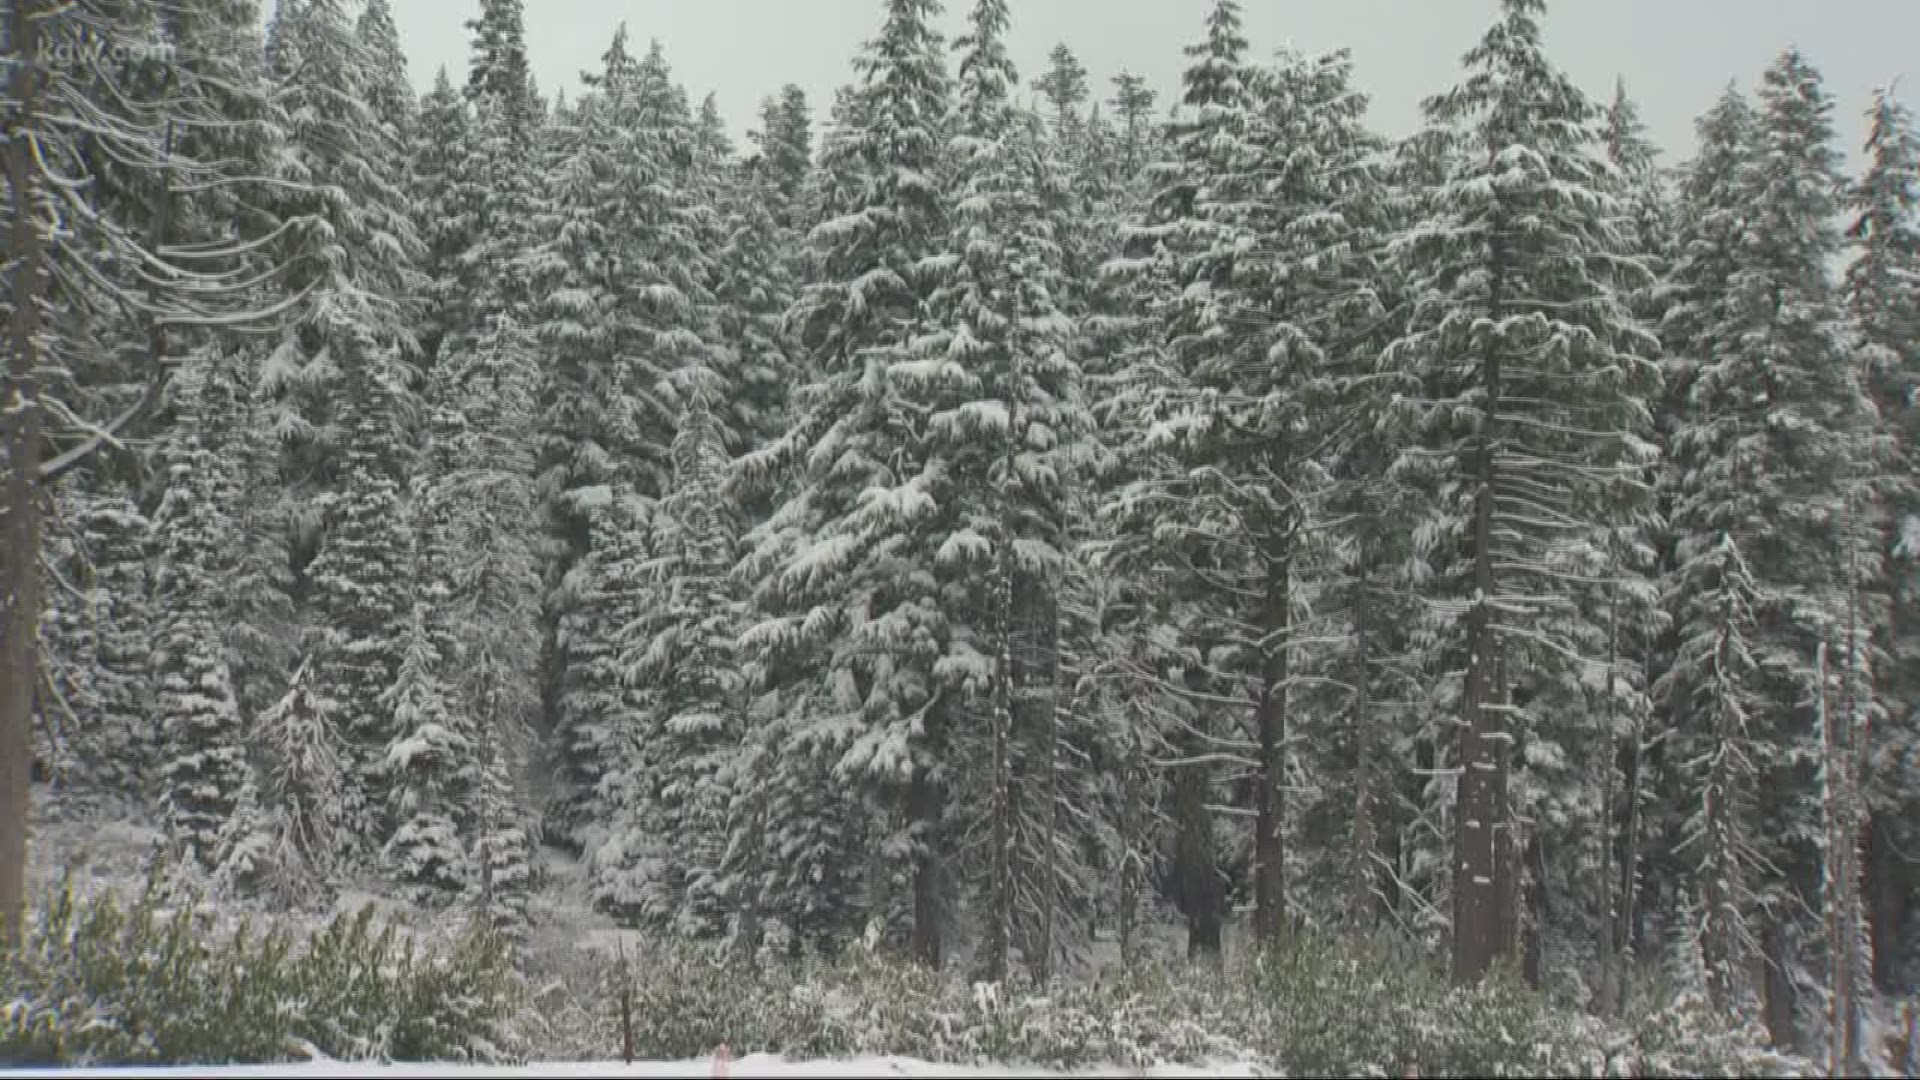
(97, 981)
(1679, 1036)
(1310, 1006)
(1347, 1006)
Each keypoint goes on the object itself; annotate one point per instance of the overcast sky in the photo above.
(1675, 55)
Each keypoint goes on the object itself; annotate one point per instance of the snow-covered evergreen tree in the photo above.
(432, 760)
(499, 68)
(1009, 435)
(1769, 459)
(679, 657)
(389, 94)
(784, 152)
(358, 263)
(626, 303)
(119, 738)
(1534, 433)
(284, 836)
(839, 563)
(203, 738)
(1883, 294)
(1163, 529)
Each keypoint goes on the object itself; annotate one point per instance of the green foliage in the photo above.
(1375, 1007)
(97, 981)
(1307, 1007)
(1679, 1035)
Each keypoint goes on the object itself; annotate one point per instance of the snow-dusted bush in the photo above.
(1346, 1006)
(1310, 1006)
(98, 981)
(689, 999)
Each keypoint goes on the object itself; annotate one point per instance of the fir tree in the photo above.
(389, 94)
(1185, 232)
(433, 758)
(679, 655)
(1065, 88)
(499, 69)
(204, 765)
(122, 739)
(446, 216)
(364, 297)
(1775, 441)
(832, 560)
(1883, 294)
(1534, 427)
(627, 304)
(1009, 435)
(784, 151)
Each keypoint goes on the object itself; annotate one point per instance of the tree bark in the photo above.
(925, 807)
(1478, 936)
(1196, 869)
(20, 445)
(1781, 1004)
(1270, 876)
(1000, 860)
(1365, 901)
(1888, 884)
(1628, 925)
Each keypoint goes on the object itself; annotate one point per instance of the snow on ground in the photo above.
(751, 1067)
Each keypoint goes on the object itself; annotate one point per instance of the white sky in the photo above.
(1676, 55)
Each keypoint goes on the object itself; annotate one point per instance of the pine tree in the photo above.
(136, 136)
(784, 152)
(204, 765)
(832, 562)
(1534, 429)
(499, 68)
(389, 94)
(363, 301)
(1773, 445)
(1008, 436)
(1187, 228)
(1883, 294)
(627, 304)
(122, 739)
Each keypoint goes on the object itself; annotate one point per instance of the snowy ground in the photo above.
(752, 1066)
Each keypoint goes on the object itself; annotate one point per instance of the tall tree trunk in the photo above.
(1000, 859)
(926, 804)
(1888, 885)
(1270, 873)
(1844, 734)
(1042, 691)
(1365, 902)
(20, 445)
(1781, 1001)
(1627, 928)
(1196, 866)
(1478, 936)
(1133, 873)
(1607, 994)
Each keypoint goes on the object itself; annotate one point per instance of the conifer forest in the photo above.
(990, 513)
